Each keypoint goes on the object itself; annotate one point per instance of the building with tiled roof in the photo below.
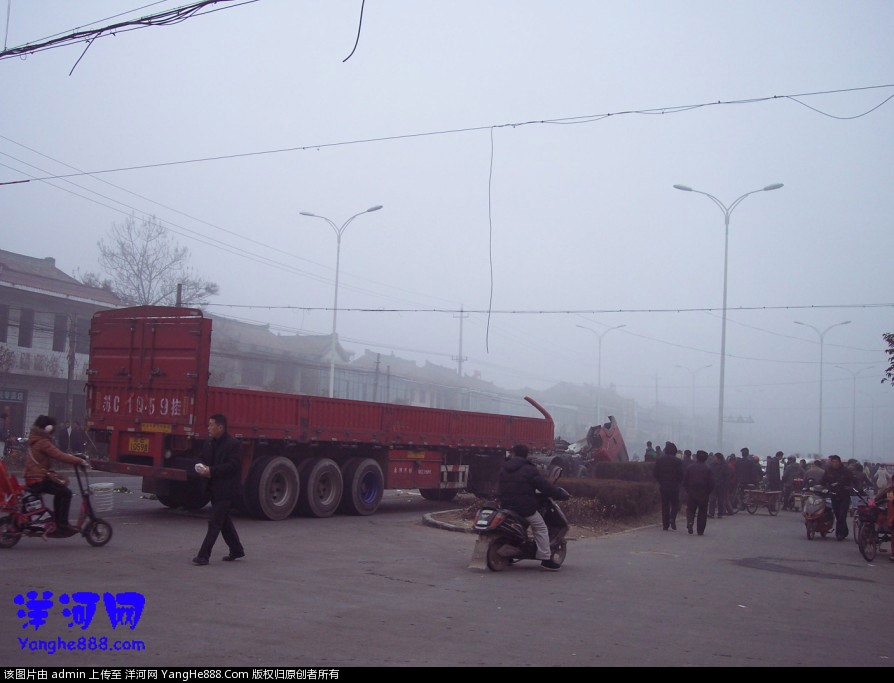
(44, 320)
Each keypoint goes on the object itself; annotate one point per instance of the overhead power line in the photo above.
(88, 35)
(489, 127)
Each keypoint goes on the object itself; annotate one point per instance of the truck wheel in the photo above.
(364, 485)
(442, 495)
(188, 496)
(271, 488)
(323, 486)
(168, 500)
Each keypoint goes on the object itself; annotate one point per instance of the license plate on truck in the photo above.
(137, 444)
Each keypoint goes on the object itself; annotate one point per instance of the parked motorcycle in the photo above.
(504, 538)
(23, 513)
(818, 515)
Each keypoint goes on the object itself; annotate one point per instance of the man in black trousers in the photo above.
(698, 480)
(668, 471)
(222, 464)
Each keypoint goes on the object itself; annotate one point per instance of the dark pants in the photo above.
(221, 523)
(717, 502)
(697, 511)
(840, 507)
(61, 498)
(670, 506)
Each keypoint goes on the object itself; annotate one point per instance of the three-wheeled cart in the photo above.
(758, 498)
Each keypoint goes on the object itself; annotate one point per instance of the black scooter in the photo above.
(503, 537)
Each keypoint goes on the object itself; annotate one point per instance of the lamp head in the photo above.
(308, 213)
(774, 186)
(686, 188)
(373, 208)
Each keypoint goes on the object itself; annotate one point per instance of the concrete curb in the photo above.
(430, 519)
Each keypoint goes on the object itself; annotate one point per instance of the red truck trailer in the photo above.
(149, 399)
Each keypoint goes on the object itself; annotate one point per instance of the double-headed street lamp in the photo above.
(599, 361)
(854, 374)
(822, 336)
(727, 210)
(339, 231)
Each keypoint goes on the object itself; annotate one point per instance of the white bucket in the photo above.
(101, 496)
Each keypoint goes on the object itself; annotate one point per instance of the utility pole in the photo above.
(376, 378)
(72, 341)
(460, 358)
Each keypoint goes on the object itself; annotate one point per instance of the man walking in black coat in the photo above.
(222, 464)
(698, 480)
(668, 472)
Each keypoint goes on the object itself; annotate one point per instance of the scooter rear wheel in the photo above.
(8, 537)
(98, 532)
(495, 561)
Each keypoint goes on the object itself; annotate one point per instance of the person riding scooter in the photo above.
(40, 477)
(519, 481)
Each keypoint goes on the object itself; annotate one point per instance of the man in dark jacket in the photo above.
(519, 480)
(668, 472)
(698, 480)
(774, 477)
(717, 502)
(839, 480)
(222, 464)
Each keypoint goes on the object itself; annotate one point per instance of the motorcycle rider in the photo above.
(39, 476)
(839, 480)
(519, 480)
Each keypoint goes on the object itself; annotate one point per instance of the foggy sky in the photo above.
(481, 128)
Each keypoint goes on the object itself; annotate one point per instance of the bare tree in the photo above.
(143, 266)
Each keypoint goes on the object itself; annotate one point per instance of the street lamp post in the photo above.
(854, 374)
(599, 361)
(694, 373)
(822, 336)
(339, 231)
(727, 211)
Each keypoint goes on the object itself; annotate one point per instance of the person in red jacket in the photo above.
(39, 474)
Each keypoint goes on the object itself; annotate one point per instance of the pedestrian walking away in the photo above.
(668, 472)
(717, 502)
(221, 465)
(698, 480)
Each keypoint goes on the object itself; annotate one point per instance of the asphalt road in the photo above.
(390, 591)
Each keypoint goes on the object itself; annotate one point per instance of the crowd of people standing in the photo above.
(713, 485)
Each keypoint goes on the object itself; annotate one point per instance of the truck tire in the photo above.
(364, 485)
(271, 488)
(190, 496)
(443, 495)
(322, 490)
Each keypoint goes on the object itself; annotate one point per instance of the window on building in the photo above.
(60, 331)
(82, 334)
(26, 327)
(4, 322)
